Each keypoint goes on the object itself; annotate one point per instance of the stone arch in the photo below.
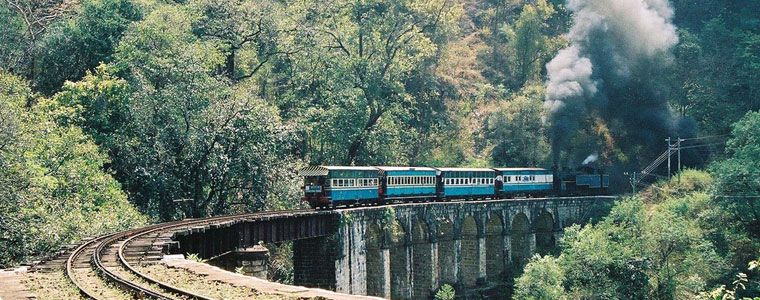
(544, 227)
(399, 254)
(447, 261)
(519, 240)
(494, 247)
(470, 252)
(422, 266)
(376, 249)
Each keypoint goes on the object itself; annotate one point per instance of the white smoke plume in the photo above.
(614, 46)
(591, 158)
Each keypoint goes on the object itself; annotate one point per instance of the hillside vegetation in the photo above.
(691, 237)
(116, 113)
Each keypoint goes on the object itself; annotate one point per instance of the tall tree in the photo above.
(194, 145)
(75, 45)
(517, 131)
(30, 19)
(247, 31)
(364, 53)
(55, 190)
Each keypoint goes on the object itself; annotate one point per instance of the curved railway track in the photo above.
(112, 259)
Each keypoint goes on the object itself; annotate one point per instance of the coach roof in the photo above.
(324, 170)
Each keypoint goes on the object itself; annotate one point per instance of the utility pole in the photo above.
(632, 180)
(678, 144)
(679, 153)
(670, 147)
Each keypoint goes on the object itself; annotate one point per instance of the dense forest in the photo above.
(117, 113)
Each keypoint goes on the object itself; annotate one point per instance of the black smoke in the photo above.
(612, 69)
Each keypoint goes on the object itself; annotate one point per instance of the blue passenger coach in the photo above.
(467, 182)
(407, 182)
(523, 181)
(338, 185)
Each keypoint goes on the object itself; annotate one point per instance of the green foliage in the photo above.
(529, 44)
(542, 279)
(195, 257)
(362, 55)
(740, 284)
(445, 292)
(98, 104)
(640, 251)
(189, 133)
(78, 44)
(736, 185)
(55, 190)
(518, 132)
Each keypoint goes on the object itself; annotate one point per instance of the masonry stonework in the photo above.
(466, 244)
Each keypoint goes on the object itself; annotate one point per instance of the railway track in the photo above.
(106, 267)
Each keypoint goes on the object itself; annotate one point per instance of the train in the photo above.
(344, 186)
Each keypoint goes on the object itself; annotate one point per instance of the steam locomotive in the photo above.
(334, 186)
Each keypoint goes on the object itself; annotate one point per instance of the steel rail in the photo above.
(111, 276)
(68, 271)
(132, 235)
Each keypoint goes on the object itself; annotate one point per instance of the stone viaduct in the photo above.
(407, 251)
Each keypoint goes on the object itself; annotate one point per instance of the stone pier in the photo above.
(408, 251)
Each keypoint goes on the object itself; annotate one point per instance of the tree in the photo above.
(75, 45)
(190, 134)
(520, 44)
(363, 55)
(55, 189)
(98, 104)
(518, 132)
(736, 185)
(248, 33)
(542, 279)
(531, 43)
(655, 247)
(28, 20)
